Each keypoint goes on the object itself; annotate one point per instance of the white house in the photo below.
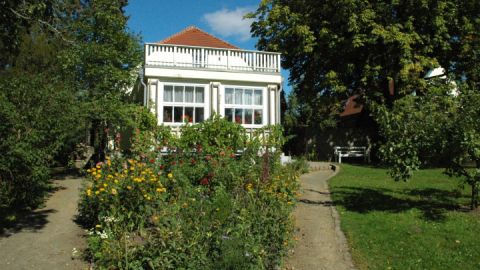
(192, 74)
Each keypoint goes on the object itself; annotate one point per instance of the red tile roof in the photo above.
(351, 107)
(193, 36)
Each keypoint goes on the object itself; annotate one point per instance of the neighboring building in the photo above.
(192, 74)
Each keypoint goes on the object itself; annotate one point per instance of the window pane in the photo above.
(188, 116)
(248, 116)
(198, 115)
(248, 97)
(199, 92)
(228, 95)
(168, 93)
(258, 117)
(239, 116)
(229, 114)
(258, 97)
(238, 96)
(178, 93)
(167, 114)
(189, 94)
(177, 114)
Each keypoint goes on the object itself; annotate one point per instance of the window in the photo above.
(183, 103)
(244, 105)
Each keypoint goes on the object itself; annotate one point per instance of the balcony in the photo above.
(204, 58)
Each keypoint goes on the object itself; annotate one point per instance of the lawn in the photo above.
(420, 224)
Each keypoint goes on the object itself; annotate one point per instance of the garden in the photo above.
(213, 198)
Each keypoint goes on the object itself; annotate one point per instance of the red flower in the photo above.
(162, 167)
(204, 181)
(152, 160)
(232, 155)
(193, 161)
(208, 157)
(173, 163)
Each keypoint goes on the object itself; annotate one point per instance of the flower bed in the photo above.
(201, 207)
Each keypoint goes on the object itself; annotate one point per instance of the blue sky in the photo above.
(156, 20)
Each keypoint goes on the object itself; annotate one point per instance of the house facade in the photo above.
(191, 75)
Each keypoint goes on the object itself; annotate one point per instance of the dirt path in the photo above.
(45, 238)
(320, 242)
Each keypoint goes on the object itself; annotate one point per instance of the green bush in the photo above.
(37, 119)
(203, 206)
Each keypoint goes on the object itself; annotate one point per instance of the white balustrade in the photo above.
(166, 55)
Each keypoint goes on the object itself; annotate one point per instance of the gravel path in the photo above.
(320, 242)
(45, 238)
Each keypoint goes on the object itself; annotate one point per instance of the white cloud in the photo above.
(230, 23)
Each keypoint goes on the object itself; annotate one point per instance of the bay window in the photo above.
(244, 105)
(183, 103)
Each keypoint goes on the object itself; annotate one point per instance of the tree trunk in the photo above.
(474, 185)
(474, 199)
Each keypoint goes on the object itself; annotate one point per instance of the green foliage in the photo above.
(410, 225)
(420, 128)
(336, 49)
(199, 207)
(104, 63)
(35, 126)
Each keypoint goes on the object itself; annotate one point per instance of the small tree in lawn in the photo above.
(431, 128)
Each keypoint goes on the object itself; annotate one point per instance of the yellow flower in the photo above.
(114, 191)
(109, 163)
(89, 192)
(98, 167)
(290, 202)
(116, 181)
(98, 226)
(89, 170)
(97, 192)
(249, 186)
(105, 185)
(98, 176)
(170, 175)
(102, 189)
(129, 187)
(161, 190)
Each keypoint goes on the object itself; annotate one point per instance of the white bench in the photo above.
(351, 151)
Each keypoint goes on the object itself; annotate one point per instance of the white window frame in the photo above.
(205, 105)
(263, 107)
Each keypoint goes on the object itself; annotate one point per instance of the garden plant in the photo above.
(214, 198)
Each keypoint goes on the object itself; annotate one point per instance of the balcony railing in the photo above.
(165, 55)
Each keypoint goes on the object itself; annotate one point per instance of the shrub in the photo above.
(200, 207)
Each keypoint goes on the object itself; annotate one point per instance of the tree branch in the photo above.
(53, 28)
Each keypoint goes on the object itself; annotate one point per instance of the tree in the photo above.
(334, 49)
(104, 60)
(419, 129)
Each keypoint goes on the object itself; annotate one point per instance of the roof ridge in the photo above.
(193, 27)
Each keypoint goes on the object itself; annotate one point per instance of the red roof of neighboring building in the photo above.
(193, 36)
(351, 107)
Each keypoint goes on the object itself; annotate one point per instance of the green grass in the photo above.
(420, 224)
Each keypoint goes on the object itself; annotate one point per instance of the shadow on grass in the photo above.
(433, 203)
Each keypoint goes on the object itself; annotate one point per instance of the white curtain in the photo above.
(178, 93)
(199, 92)
(258, 97)
(238, 96)
(228, 96)
(189, 94)
(168, 93)
(248, 97)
